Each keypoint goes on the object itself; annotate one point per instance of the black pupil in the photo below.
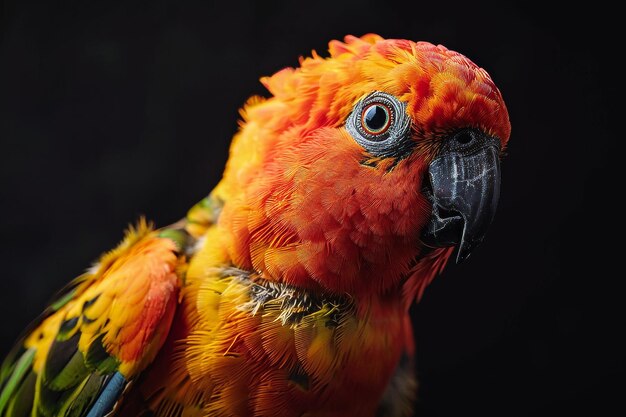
(375, 118)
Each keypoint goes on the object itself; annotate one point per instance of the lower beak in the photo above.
(465, 188)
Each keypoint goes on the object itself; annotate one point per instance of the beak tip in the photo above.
(462, 256)
(465, 248)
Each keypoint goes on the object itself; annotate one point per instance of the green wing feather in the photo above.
(62, 364)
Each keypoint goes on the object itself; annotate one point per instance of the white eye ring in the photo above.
(388, 139)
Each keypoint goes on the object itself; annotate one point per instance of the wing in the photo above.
(102, 332)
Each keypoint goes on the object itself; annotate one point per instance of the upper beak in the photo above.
(465, 188)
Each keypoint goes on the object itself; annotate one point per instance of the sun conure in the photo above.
(286, 291)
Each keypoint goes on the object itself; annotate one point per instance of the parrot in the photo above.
(286, 290)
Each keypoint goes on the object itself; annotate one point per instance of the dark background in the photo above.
(109, 111)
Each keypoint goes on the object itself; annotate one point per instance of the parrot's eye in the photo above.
(376, 118)
(380, 124)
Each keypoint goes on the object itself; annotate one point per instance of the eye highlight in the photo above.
(376, 118)
(380, 124)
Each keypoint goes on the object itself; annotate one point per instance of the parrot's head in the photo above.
(366, 167)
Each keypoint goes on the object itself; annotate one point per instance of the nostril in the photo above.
(464, 137)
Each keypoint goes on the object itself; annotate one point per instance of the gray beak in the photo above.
(464, 188)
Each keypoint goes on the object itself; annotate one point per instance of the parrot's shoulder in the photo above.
(203, 215)
(100, 332)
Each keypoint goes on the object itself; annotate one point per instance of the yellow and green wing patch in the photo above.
(99, 335)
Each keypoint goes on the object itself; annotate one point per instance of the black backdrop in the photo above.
(109, 111)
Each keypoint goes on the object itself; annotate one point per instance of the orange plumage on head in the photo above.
(306, 204)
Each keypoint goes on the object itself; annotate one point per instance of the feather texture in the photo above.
(286, 291)
(108, 331)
